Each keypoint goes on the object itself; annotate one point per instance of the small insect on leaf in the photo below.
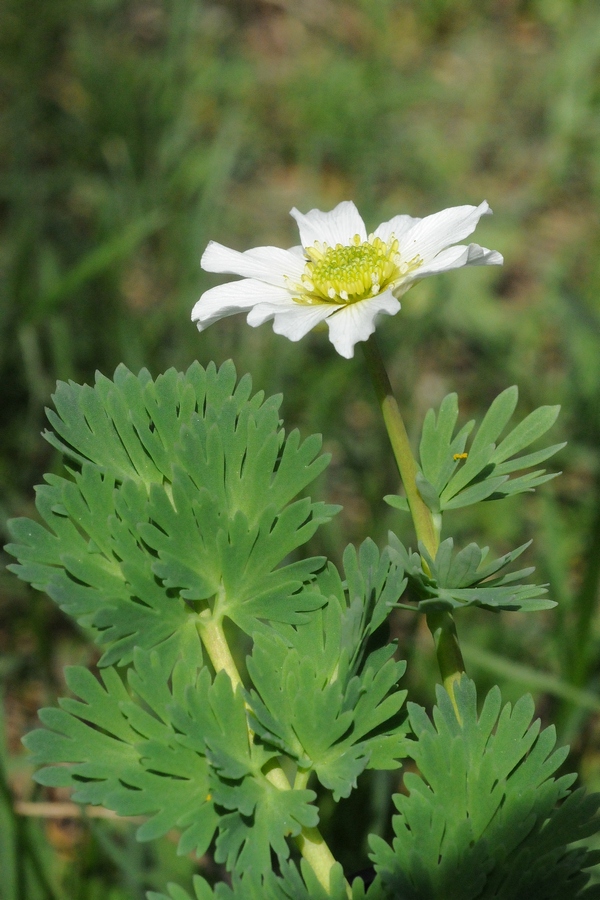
(459, 456)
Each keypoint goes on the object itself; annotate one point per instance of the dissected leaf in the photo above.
(481, 820)
(451, 478)
(289, 885)
(182, 757)
(439, 446)
(183, 497)
(455, 580)
(334, 711)
(255, 816)
(117, 753)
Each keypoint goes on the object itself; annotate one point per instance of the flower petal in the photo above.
(434, 233)
(456, 257)
(269, 264)
(236, 296)
(397, 226)
(297, 322)
(292, 319)
(356, 321)
(336, 227)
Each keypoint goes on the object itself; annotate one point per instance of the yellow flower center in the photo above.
(352, 272)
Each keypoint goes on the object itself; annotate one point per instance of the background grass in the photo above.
(133, 131)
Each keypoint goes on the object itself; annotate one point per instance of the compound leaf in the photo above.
(334, 712)
(482, 819)
(183, 498)
(289, 885)
(114, 752)
(451, 477)
(453, 581)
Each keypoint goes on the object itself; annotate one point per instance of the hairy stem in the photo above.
(310, 842)
(441, 623)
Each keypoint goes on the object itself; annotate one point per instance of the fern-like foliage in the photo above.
(451, 478)
(180, 499)
(289, 885)
(319, 695)
(180, 755)
(455, 580)
(481, 820)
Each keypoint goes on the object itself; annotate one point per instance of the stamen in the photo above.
(348, 273)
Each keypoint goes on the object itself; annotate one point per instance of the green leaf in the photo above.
(457, 580)
(319, 695)
(532, 427)
(256, 817)
(289, 885)
(183, 500)
(181, 757)
(428, 493)
(477, 492)
(118, 753)
(438, 446)
(92, 562)
(397, 502)
(245, 839)
(482, 819)
(450, 478)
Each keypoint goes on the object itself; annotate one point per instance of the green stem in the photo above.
(315, 851)
(441, 623)
(215, 643)
(310, 842)
(450, 660)
(301, 779)
(420, 512)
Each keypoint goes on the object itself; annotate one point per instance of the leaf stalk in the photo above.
(215, 644)
(310, 842)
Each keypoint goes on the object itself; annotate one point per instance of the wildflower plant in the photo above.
(239, 676)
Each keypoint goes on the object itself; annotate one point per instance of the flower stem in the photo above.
(310, 842)
(440, 622)
(396, 430)
(449, 657)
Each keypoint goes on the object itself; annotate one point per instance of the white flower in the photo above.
(340, 274)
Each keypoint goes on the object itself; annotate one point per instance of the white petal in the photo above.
(481, 256)
(456, 257)
(295, 323)
(336, 227)
(269, 264)
(236, 296)
(266, 310)
(397, 226)
(292, 319)
(434, 233)
(356, 321)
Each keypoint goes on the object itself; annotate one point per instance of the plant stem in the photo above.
(420, 512)
(215, 643)
(310, 842)
(450, 660)
(441, 623)
(315, 851)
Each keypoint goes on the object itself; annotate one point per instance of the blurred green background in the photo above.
(131, 133)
